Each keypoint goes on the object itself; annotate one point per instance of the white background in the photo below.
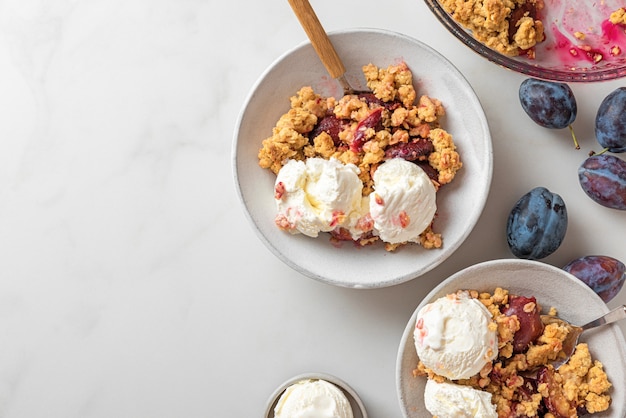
(132, 285)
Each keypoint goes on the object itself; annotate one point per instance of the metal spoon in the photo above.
(574, 331)
(321, 43)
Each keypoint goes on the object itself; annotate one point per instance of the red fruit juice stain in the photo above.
(610, 46)
(614, 37)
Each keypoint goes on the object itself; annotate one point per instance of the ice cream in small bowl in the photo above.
(474, 347)
(315, 395)
(367, 189)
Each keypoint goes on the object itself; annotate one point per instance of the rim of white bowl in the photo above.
(358, 408)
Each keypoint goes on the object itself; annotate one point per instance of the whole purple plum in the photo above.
(537, 224)
(605, 275)
(611, 121)
(548, 103)
(603, 179)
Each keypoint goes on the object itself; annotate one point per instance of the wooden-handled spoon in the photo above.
(321, 42)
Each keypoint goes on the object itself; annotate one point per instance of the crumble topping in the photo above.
(511, 27)
(366, 129)
(523, 384)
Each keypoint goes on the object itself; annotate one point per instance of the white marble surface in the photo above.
(131, 284)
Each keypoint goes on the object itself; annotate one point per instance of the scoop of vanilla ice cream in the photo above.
(313, 399)
(318, 196)
(403, 202)
(449, 400)
(455, 336)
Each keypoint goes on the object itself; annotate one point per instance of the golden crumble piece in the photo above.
(584, 381)
(430, 239)
(374, 152)
(298, 119)
(347, 135)
(348, 157)
(492, 15)
(618, 17)
(548, 345)
(381, 82)
(399, 117)
(597, 380)
(429, 109)
(400, 135)
(392, 83)
(392, 247)
(288, 136)
(528, 31)
(324, 145)
(351, 107)
(444, 159)
(283, 145)
(597, 403)
(507, 327)
(616, 50)
(501, 296)
(308, 100)
(413, 119)
(528, 407)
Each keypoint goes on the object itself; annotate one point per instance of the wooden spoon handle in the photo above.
(318, 37)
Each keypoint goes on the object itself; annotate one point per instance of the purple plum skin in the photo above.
(603, 178)
(537, 224)
(548, 103)
(611, 121)
(603, 274)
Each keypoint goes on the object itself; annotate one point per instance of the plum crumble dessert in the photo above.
(364, 167)
(511, 27)
(519, 380)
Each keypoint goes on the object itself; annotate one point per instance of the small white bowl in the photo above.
(460, 203)
(358, 409)
(551, 286)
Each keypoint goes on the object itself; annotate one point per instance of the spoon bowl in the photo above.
(574, 331)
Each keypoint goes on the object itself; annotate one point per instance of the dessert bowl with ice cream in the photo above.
(476, 347)
(370, 190)
(318, 395)
(365, 167)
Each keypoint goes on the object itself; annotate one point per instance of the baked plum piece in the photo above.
(417, 149)
(330, 124)
(528, 314)
(556, 401)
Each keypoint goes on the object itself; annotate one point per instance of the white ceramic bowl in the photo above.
(358, 409)
(551, 286)
(460, 203)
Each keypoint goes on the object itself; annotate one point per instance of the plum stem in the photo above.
(571, 129)
(592, 152)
